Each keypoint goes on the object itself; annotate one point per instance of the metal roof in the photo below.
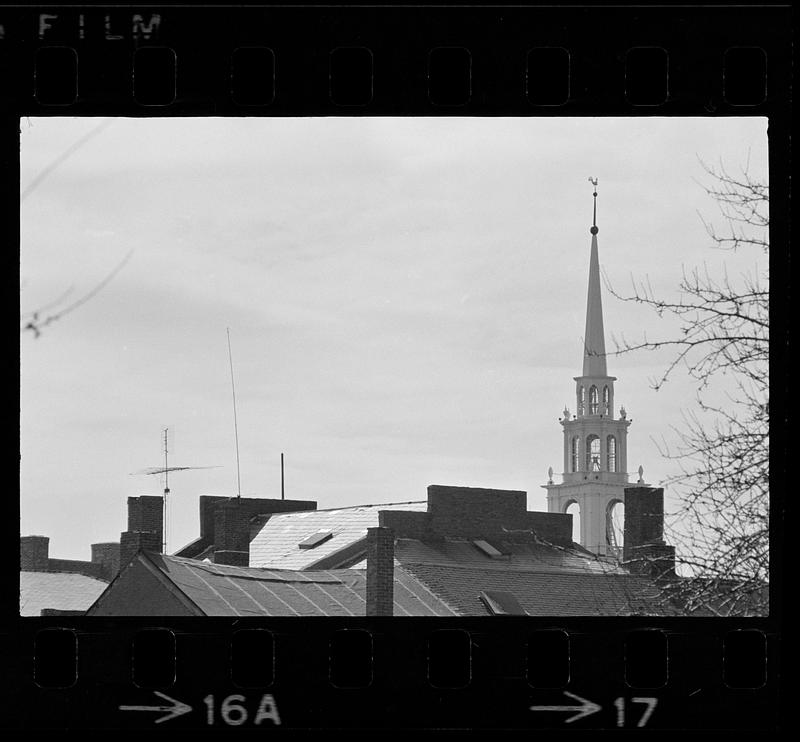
(222, 590)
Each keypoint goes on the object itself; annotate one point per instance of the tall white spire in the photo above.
(594, 352)
(594, 441)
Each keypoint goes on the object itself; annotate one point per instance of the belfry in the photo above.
(595, 441)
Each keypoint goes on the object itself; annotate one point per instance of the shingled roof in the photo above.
(277, 544)
(222, 590)
(534, 556)
(62, 591)
(464, 544)
(545, 579)
(552, 593)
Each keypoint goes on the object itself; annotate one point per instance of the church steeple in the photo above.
(594, 343)
(594, 440)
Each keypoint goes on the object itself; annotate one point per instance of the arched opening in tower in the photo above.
(611, 453)
(574, 509)
(615, 526)
(575, 454)
(593, 400)
(592, 453)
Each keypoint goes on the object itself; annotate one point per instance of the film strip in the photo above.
(515, 673)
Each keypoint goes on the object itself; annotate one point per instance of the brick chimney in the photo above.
(131, 542)
(469, 512)
(644, 550)
(208, 503)
(146, 514)
(232, 526)
(34, 553)
(232, 558)
(380, 571)
(145, 527)
(226, 523)
(107, 555)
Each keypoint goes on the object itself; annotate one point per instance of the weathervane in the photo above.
(594, 229)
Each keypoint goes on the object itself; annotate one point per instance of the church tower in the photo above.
(595, 442)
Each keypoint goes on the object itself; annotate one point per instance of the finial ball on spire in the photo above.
(594, 230)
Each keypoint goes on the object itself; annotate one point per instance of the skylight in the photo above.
(487, 549)
(320, 537)
(501, 603)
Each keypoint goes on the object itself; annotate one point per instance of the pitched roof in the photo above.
(65, 591)
(545, 580)
(542, 593)
(277, 545)
(222, 590)
(536, 556)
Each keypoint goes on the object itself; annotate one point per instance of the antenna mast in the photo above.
(165, 470)
(281, 476)
(235, 422)
(166, 493)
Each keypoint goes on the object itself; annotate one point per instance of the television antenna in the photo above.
(165, 470)
(235, 421)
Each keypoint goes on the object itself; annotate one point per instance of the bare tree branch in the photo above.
(721, 528)
(63, 156)
(35, 322)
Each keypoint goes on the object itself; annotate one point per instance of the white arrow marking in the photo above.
(585, 709)
(176, 709)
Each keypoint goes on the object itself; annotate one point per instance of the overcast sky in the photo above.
(406, 300)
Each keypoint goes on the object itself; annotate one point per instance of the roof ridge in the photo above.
(262, 574)
(526, 569)
(348, 507)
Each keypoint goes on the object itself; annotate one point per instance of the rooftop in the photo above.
(64, 591)
(517, 557)
(277, 544)
(553, 593)
(222, 590)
